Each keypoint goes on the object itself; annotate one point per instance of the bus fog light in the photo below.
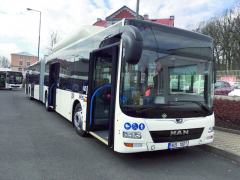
(132, 135)
(210, 130)
(137, 135)
(200, 141)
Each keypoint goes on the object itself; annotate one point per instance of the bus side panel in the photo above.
(58, 101)
(66, 103)
(25, 88)
(41, 82)
(36, 92)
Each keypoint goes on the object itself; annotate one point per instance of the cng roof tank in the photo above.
(78, 35)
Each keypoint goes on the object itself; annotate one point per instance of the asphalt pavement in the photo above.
(36, 144)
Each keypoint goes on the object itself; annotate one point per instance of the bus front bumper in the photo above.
(194, 142)
(143, 147)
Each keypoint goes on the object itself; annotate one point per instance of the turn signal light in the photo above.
(128, 145)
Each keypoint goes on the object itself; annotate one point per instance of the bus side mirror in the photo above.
(215, 69)
(133, 48)
(133, 42)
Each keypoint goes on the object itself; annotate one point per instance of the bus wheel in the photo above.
(78, 121)
(46, 104)
(10, 89)
(29, 94)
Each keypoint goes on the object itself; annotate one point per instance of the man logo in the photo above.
(179, 133)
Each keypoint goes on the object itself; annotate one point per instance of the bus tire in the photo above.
(29, 94)
(78, 121)
(46, 104)
(10, 89)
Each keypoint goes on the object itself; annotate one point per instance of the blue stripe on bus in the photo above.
(51, 93)
(93, 99)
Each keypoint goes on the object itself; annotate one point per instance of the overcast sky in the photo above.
(19, 28)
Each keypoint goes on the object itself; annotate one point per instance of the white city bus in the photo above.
(131, 85)
(10, 79)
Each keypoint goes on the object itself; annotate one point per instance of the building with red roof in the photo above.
(126, 12)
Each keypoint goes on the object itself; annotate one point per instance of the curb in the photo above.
(227, 130)
(221, 152)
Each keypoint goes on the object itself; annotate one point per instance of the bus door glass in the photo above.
(26, 83)
(53, 83)
(2, 79)
(101, 93)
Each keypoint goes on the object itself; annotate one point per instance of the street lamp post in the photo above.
(39, 29)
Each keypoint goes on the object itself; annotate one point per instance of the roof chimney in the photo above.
(99, 19)
(172, 17)
(145, 16)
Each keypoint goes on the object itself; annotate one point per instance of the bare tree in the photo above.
(224, 29)
(4, 62)
(54, 37)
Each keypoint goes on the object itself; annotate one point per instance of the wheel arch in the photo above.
(73, 108)
(46, 95)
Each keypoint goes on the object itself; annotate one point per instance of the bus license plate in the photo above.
(177, 145)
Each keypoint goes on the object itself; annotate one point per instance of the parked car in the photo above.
(184, 85)
(198, 87)
(235, 85)
(235, 92)
(222, 88)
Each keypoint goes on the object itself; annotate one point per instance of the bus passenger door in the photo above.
(101, 93)
(2, 79)
(53, 84)
(26, 83)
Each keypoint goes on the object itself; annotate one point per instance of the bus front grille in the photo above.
(176, 135)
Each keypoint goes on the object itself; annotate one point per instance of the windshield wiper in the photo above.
(198, 103)
(160, 106)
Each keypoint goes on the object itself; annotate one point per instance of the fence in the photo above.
(229, 73)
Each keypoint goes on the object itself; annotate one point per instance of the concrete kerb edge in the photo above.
(220, 152)
(227, 130)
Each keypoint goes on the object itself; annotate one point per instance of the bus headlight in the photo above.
(132, 135)
(210, 130)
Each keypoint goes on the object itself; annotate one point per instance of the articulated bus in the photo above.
(10, 79)
(131, 85)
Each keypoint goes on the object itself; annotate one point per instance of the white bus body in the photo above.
(131, 85)
(10, 79)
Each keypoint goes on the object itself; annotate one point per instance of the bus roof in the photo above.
(5, 69)
(76, 37)
(81, 33)
(172, 29)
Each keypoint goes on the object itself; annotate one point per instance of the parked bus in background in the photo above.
(10, 79)
(131, 85)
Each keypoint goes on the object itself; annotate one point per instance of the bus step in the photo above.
(101, 135)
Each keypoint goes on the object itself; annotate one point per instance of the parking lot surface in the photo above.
(36, 144)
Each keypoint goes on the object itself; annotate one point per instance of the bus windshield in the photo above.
(14, 77)
(168, 82)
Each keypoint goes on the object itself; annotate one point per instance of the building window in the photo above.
(20, 69)
(24, 69)
(29, 58)
(28, 64)
(20, 63)
(21, 57)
